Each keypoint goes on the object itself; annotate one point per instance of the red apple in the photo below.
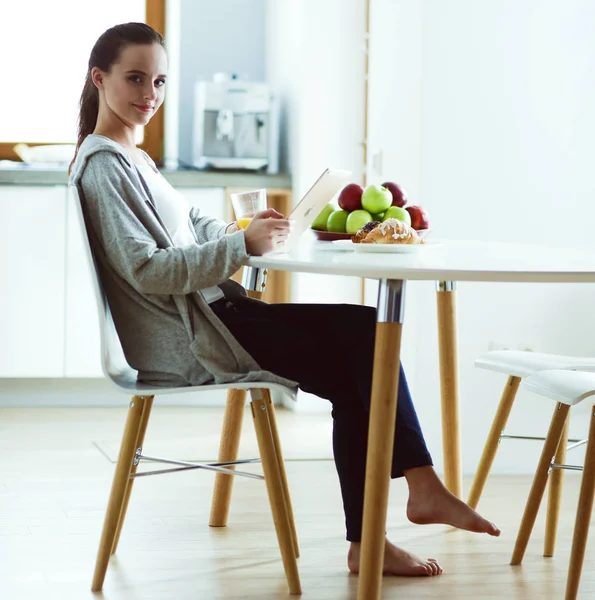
(350, 198)
(419, 217)
(399, 195)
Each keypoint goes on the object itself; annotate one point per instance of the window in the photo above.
(44, 49)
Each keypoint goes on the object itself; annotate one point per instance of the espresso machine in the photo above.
(236, 125)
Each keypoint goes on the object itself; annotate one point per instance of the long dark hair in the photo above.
(105, 53)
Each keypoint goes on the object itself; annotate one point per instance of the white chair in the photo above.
(517, 364)
(118, 372)
(566, 388)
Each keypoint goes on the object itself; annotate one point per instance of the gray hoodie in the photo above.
(167, 330)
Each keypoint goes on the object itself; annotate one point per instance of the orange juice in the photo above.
(244, 222)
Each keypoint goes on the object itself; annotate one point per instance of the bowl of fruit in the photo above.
(358, 206)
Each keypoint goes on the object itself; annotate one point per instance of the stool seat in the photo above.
(522, 363)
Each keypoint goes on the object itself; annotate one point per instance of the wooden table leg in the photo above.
(447, 344)
(385, 383)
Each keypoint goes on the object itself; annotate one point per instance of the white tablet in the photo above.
(314, 200)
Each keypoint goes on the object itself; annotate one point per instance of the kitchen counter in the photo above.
(27, 175)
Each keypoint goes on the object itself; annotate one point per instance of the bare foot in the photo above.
(433, 503)
(396, 562)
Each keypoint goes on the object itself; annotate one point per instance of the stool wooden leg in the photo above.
(139, 442)
(555, 495)
(583, 516)
(275, 491)
(228, 451)
(491, 446)
(283, 473)
(119, 486)
(539, 482)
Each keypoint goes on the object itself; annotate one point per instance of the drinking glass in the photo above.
(247, 204)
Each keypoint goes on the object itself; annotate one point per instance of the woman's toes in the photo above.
(436, 568)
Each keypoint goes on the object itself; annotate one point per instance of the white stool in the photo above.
(566, 388)
(518, 364)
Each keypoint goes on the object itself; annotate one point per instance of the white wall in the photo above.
(315, 58)
(216, 36)
(507, 131)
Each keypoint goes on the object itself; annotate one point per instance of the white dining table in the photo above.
(444, 262)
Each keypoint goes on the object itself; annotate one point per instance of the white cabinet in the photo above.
(48, 316)
(82, 356)
(32, 268)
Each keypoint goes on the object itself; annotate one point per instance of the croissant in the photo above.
(363, 232)
(391, 231)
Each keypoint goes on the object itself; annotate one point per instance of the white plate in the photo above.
(379, 248)
(391, 248)
(342, 245)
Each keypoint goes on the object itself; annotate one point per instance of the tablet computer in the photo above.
(315, 199)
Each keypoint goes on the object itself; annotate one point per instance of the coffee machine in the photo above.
(236, 125)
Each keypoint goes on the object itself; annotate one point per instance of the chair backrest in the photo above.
(113, 361)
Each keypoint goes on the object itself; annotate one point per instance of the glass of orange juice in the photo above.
(247, 204)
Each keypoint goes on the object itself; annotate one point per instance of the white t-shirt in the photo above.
(174, 210)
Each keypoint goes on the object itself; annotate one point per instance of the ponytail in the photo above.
(88, 112)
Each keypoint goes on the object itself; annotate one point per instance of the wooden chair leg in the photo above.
(272, 475)
(228, 451)
(283, 473)
(583, 516)
(139, 442)
(119, 486)
(539, 482)
(555, 495)
(491, 446)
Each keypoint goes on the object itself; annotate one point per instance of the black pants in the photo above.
(329, 349)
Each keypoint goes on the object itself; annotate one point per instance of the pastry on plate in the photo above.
(363, 232)
(391, 231)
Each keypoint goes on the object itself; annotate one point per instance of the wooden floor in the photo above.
(54, 483)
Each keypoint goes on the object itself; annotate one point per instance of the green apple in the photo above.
(319, 222)
(336, 221)
(356, 220)
(376, 199)
(396, 212)
(377, 216)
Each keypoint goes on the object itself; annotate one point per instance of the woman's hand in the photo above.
(266, 229)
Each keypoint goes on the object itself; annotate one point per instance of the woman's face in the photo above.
(135, 87)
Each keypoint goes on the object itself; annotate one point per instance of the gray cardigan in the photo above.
(168, 332)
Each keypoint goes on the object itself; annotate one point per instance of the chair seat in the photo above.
(521, 363)
(568, 387)
(126, 382)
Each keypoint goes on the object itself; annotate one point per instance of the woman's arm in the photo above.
(112, 203)
(209, 228)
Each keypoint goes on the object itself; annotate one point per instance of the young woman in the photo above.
(181, 320)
